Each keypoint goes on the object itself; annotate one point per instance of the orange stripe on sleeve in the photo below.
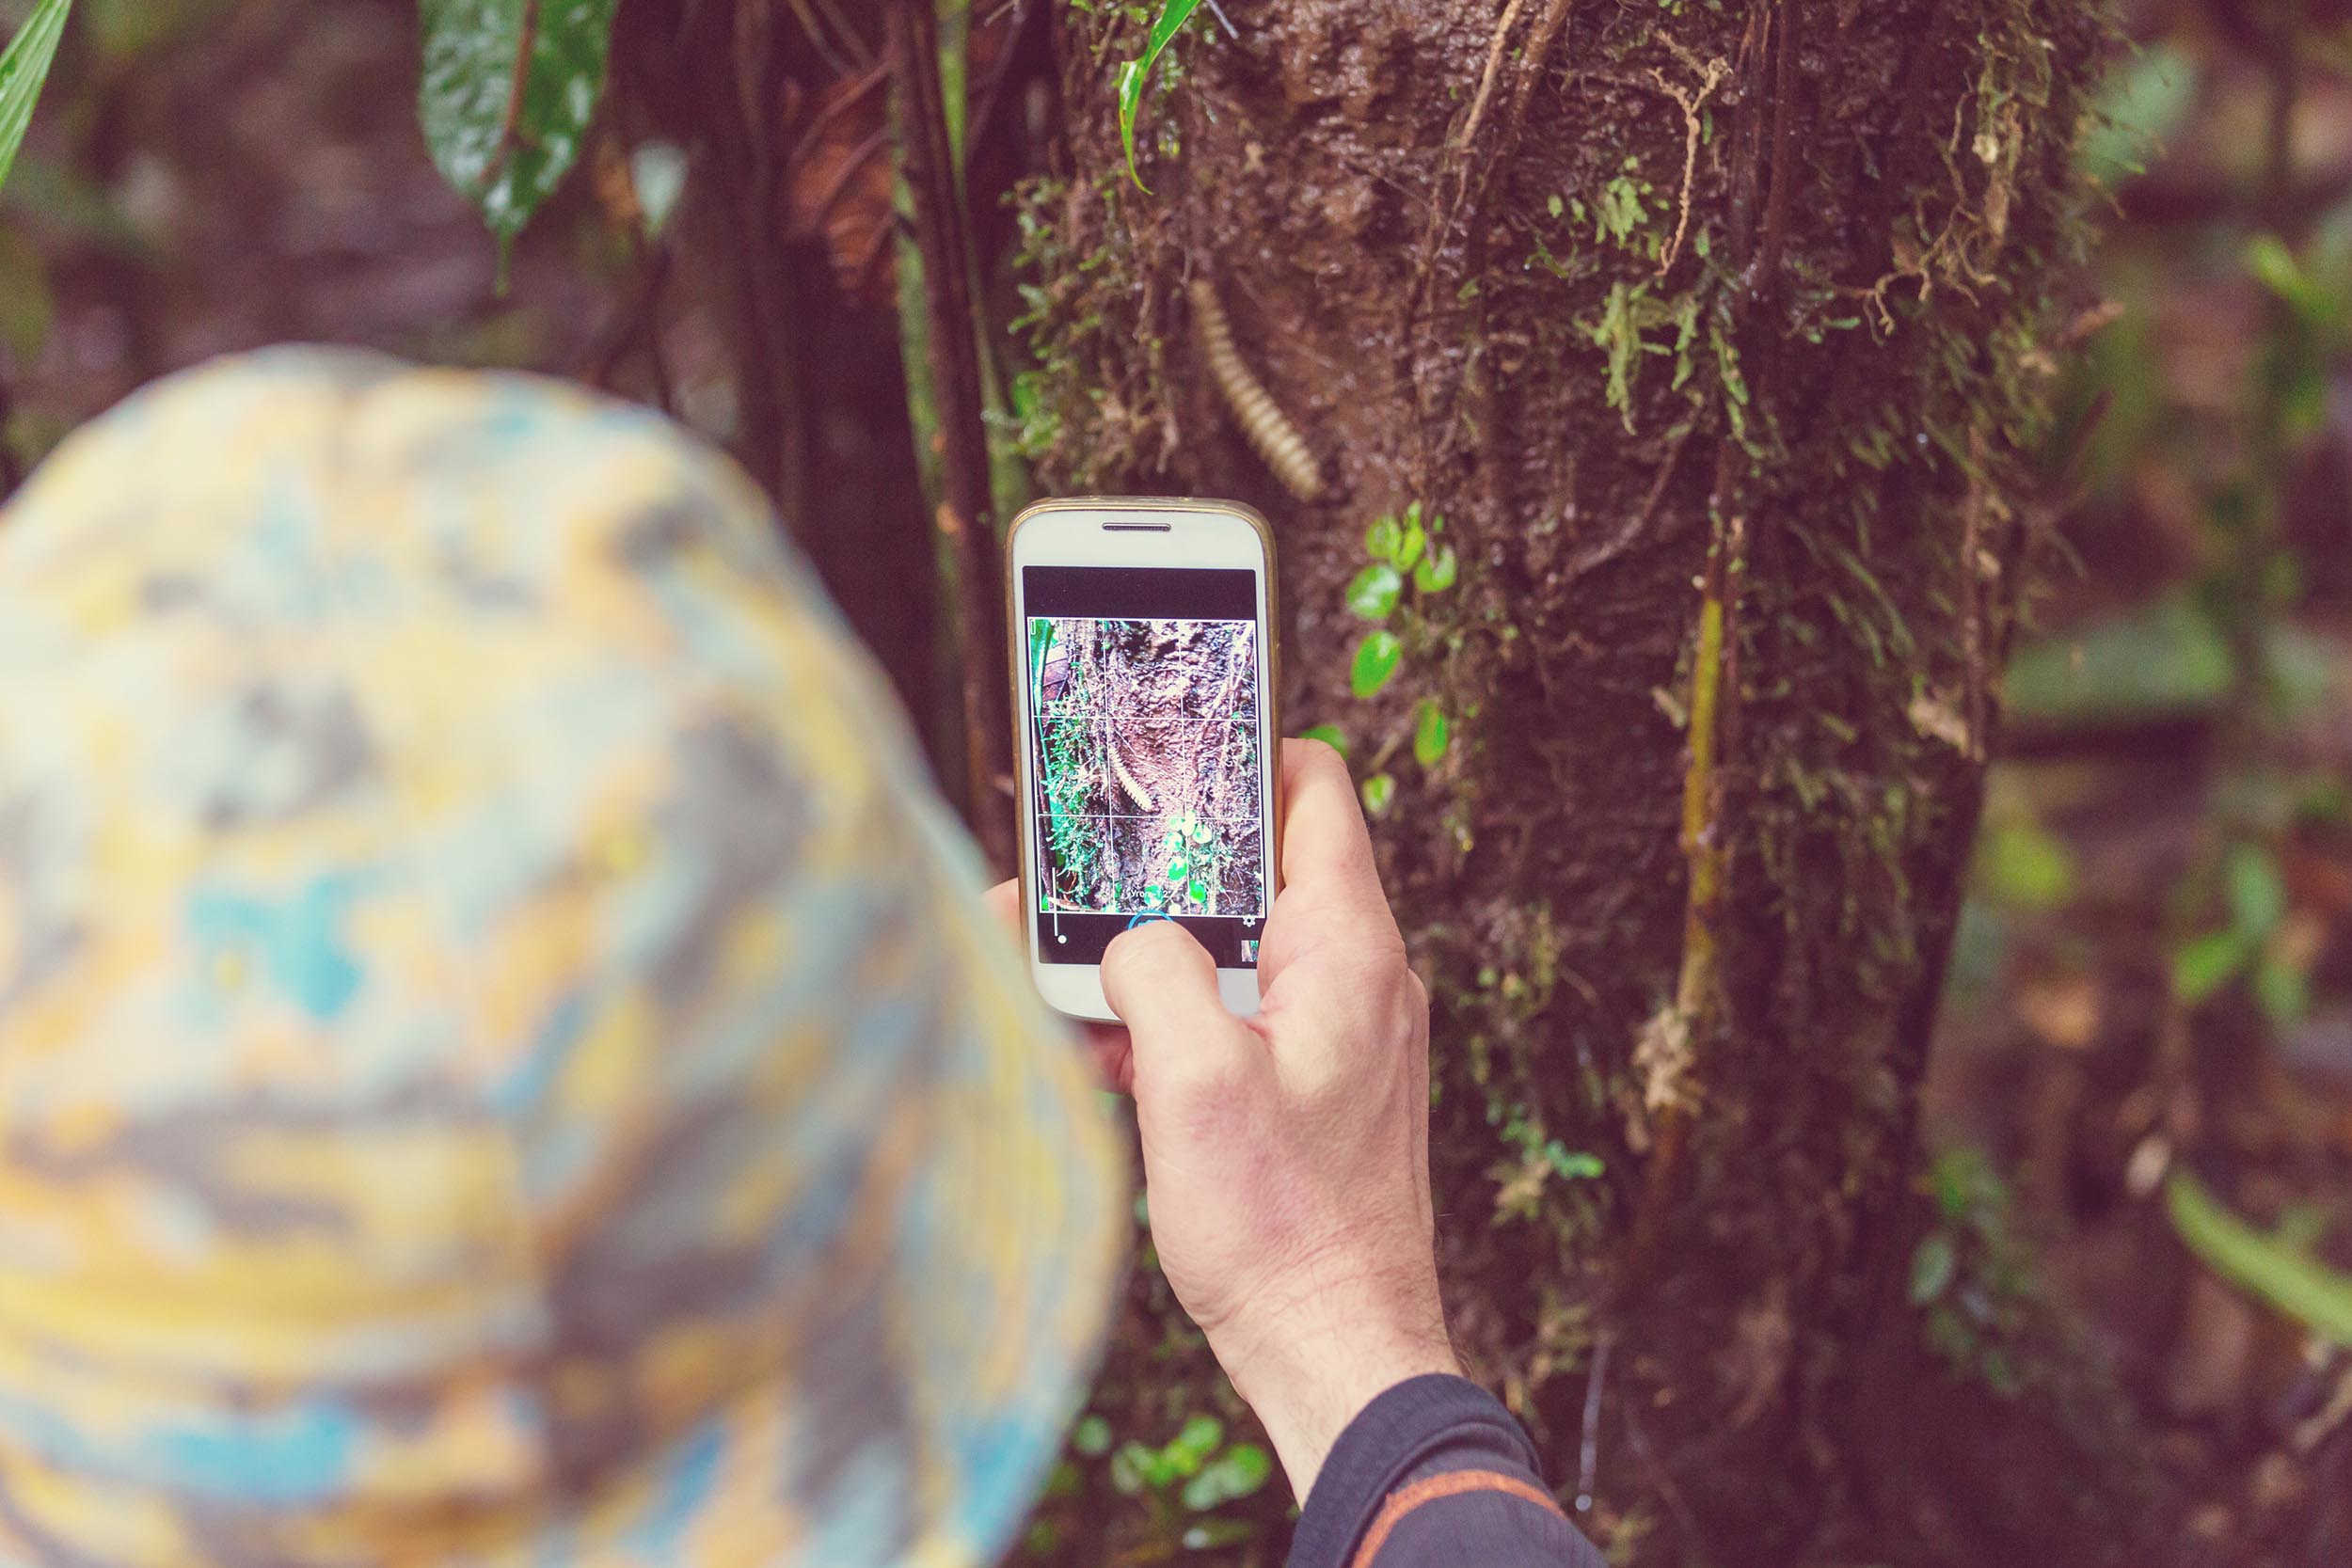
(1453, 1483)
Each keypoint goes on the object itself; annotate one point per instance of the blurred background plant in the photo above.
(2147, 1049)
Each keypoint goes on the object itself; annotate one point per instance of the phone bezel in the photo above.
(1201, 533)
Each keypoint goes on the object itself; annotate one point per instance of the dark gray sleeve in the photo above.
(1435, 1474)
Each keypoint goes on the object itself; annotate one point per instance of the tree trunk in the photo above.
(1718, 337)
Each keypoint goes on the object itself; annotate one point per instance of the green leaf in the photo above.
(2258, 895)
(2020, 865)
(1377, 658)
(1382, 539)
(2279, 269)
(1373, 593)
(1431, 734)
(1136, 73)
(1436, 571)
(2144, 100)
(1933, 1266)
(1178, 869)
(508, 91)
(1331, 735)
(2203, 965)
(1190, 1448)
(2301, 1286)
(1571, 1164)
(1128, 1465)
(1092, 1437)
(1379, 792)
(1237, 1473)
(2284, 990)
(1415, 539)
(22, 70)
(2164, 660)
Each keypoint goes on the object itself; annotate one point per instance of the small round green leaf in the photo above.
(1379, 792)
(1236, 1474)
(1191, 1447)
(2023, 866)
(1129, 1466)
(1431, 732)
(1247, 1469)
(1092, 1438)
(2203, 965)
(1331, 735)
(1436, 571)
(1377, 658)
(1414, 540)
(1374, 593)
(1382, 539)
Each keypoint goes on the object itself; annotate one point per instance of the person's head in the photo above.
(498, 1058)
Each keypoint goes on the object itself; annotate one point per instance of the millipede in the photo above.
(1269, 429)
(1133, 785)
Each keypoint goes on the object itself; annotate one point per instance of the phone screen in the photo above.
(1144, 724)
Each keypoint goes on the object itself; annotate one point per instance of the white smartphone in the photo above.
(1144, 676)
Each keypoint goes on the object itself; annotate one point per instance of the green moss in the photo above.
(1088, 407)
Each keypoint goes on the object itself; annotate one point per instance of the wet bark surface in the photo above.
(1734, 319)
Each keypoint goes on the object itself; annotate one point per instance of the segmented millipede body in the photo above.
(1134, 787)
(1269, 429)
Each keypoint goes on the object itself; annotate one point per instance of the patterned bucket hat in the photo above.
(499, 1058)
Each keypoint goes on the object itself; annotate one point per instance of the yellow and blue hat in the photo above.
(501, 1060)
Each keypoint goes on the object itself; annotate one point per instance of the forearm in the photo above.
(1434, 1474)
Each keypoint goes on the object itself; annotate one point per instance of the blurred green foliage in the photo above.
(2277, 1267)
(2159, 660)
(1970, 1275)
(23, 67)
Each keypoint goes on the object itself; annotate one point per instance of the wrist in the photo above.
(1308, 1378)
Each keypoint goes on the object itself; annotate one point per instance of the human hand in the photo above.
(1286, 1156)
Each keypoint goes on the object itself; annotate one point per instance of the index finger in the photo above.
(1325, 846)
(1330, 881)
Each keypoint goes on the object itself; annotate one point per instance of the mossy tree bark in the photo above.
(1719, 337)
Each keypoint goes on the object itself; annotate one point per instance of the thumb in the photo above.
(1163, 986)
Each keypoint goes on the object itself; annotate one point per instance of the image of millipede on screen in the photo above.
(1145, 768)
